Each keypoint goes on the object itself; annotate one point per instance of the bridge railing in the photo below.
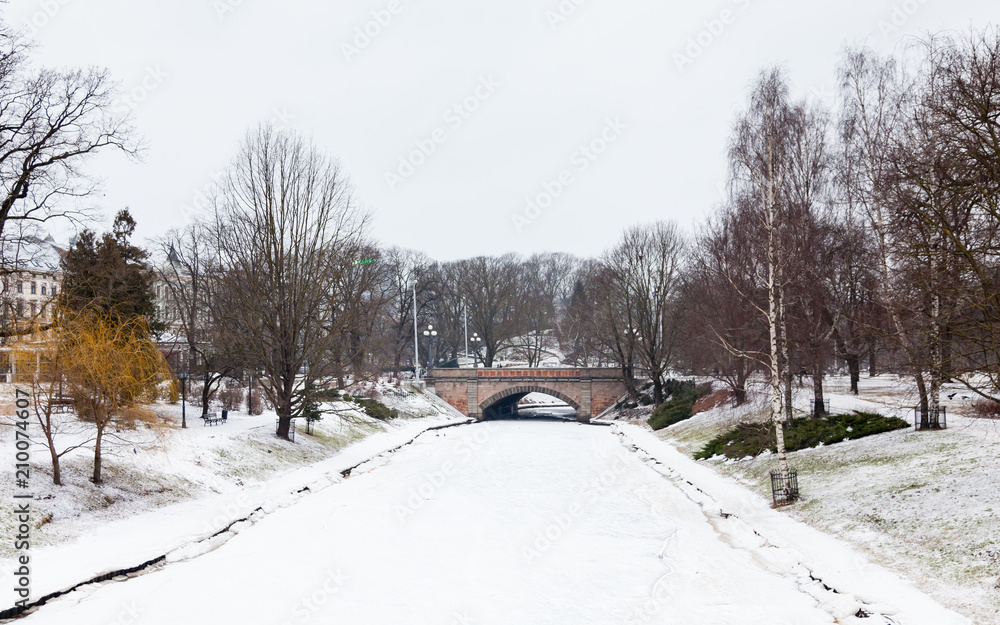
(533, 373)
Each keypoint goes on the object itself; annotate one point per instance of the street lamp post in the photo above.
(416, 344)
(476, 340)
(430, 333)
(182, 375)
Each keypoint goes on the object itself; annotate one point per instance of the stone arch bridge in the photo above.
(486, 393)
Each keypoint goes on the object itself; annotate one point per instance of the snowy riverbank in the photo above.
(196, 484)
(923, 504)
(498, 523)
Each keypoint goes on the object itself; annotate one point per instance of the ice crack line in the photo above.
(839, 605)
(202, 546)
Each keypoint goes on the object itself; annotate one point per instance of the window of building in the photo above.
(20, 287)
(43, 289)
(33, 309)
(33, 288)
(55, 290)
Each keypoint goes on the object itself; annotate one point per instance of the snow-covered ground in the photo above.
(193, 484)
(921, 503)
(512, 522)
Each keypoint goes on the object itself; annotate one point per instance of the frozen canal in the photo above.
(502, 523)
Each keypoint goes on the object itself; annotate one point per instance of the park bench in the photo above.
(215, 418)
(61, 404)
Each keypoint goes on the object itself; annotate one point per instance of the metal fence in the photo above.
(784, 491)
(930, 419)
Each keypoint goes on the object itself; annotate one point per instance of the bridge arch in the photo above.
(513, 394)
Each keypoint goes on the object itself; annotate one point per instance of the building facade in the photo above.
(30, 280)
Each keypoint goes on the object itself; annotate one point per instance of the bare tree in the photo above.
(577, 326)
(492, 289)
(408, 273)
(809, 319)
(644, 268)
(876, 96)
(287, 230)
(760, 163)
(966, 111)
(50, 122)
(188, 279)
(45, 390)
(943, 188)
(725, 302)
(613, 322)
(546, 283)
(362, 292)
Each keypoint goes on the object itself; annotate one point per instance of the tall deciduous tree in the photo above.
(760, 164)
(644, 281)
(288, 230)
(51, 121)
(188, 275)
(492, 288)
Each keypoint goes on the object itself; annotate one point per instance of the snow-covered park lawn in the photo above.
(924, 504)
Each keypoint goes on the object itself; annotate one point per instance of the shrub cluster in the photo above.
(986, 409)
(683, 394)
(231, 396)
(750, 439)
(370, 406)
(376, 409)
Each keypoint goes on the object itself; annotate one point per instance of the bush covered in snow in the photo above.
(372, 407)
(751, 439)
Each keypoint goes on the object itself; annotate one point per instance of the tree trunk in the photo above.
(922, 390)
(936, 356)
(854, 368)
(740, 394)
(819, 405)
(284, 427)
(872, 370)
(783, 342)
(56, 473)
(283, 408)
(786, 403)
(657, 389)
(206, 394)
(629, 379)
(96, 478)
(773, 295)
(46, 424)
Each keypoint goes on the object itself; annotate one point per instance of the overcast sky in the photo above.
(451, 115)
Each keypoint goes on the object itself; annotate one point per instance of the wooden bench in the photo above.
(215, 418)
(61, 404)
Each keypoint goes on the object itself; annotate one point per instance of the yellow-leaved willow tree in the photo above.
(111, 368)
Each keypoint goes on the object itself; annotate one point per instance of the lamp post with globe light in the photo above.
(475, 340)
(430, 333)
